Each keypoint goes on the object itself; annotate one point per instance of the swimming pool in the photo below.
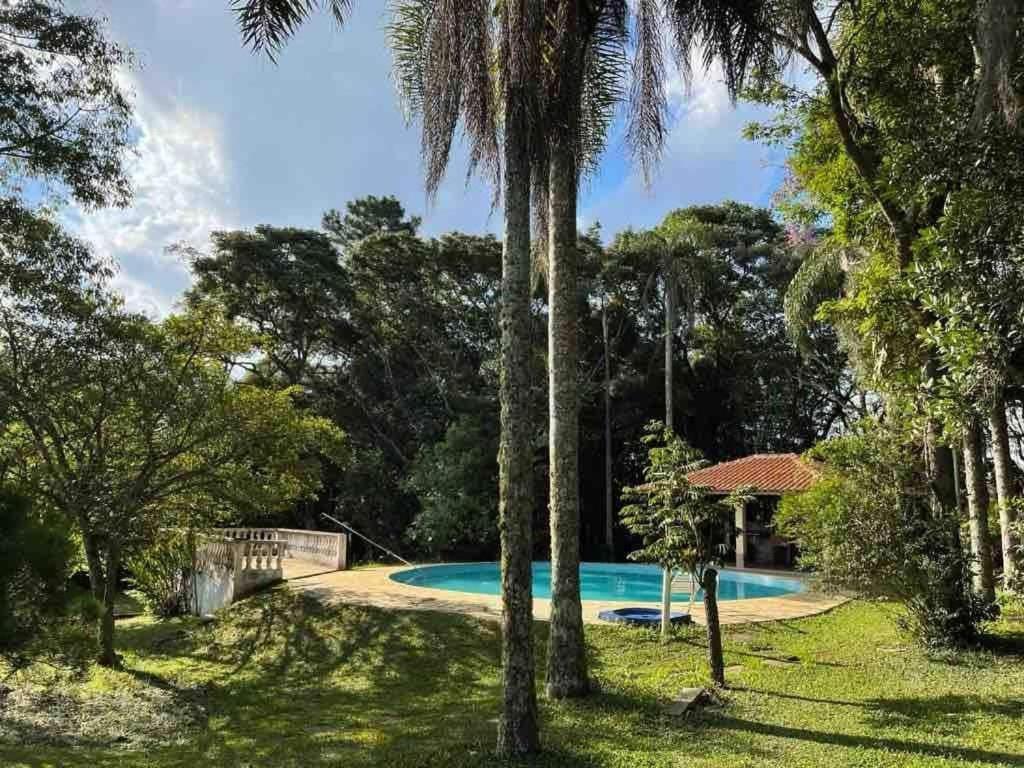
(620, 582)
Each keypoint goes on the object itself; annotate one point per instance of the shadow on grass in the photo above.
(795, 697)
(732, 650)
(940, 713)
(915, 711)
(1007, 642)
(296, 682)
(924, 749)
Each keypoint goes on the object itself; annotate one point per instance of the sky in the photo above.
(228, 140)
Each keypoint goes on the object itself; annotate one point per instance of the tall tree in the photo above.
(977, 508)
(124, 426)
(873, 102)
(365, 216)
(443, 68)
(66, 119)
(287, 285)
(1005, 491)
(567, 668)
(518, 727)
(583, 79)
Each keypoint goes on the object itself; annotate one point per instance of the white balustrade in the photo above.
(233, 562)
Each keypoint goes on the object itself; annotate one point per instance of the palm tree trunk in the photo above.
(517, 728)
(716, 661)
(609, 506)
(670, 323)
(567, 673)
(567, 669)
(1004, 490)
(977, 509)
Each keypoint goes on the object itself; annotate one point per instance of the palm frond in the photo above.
(605, 65)
(648, 107)
(736, 33)
(443, 52)
(819, 277)
(406, 37)
(479, 107)
(266, 25)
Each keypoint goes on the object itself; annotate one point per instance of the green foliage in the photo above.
(66, 119)
(742, 384)
(161, 572)
(682, 525)
(1017, 529)
(286, 285)
(922, 197)
(456, 483)
(36, 554)
(392, 337)
(867, 527)
(366, 216)
(126, 426)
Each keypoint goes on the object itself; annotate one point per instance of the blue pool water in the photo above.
(625, 582)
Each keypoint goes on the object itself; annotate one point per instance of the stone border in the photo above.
(375, 587)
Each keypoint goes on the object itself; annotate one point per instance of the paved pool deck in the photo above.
(375, 587)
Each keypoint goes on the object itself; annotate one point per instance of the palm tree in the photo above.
(1004, 489)
(518, 731)
(977, 508)
(442, 55)
(584, 80)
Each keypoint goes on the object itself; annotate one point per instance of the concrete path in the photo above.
(374, 587)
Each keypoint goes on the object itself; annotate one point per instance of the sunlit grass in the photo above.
(281, 680)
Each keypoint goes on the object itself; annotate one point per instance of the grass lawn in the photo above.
(282, 681)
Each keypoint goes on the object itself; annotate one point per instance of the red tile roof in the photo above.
(768, 473)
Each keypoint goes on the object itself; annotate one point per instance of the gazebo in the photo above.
(770, 475)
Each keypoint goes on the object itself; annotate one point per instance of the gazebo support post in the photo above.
(741, 535)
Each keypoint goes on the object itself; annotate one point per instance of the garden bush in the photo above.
(867, 527)
(162, 573)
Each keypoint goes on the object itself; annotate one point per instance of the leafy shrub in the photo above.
(36, 553)
(867, 527)
(161, 573)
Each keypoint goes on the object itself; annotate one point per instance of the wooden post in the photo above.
(741, 536)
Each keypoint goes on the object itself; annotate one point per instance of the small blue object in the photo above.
(642, 617)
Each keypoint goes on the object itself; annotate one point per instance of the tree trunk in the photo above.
(1004, 490)
(716, 662)
(517, 729)
(94, 561)
(108, 656)
(957, 484)
(666, 603)
(567, 669)
(609, 506)
(977, 508)
(670, 323)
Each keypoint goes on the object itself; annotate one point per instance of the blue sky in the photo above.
(228, 140)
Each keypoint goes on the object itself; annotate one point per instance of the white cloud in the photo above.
(704, 98)
(180, 181)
